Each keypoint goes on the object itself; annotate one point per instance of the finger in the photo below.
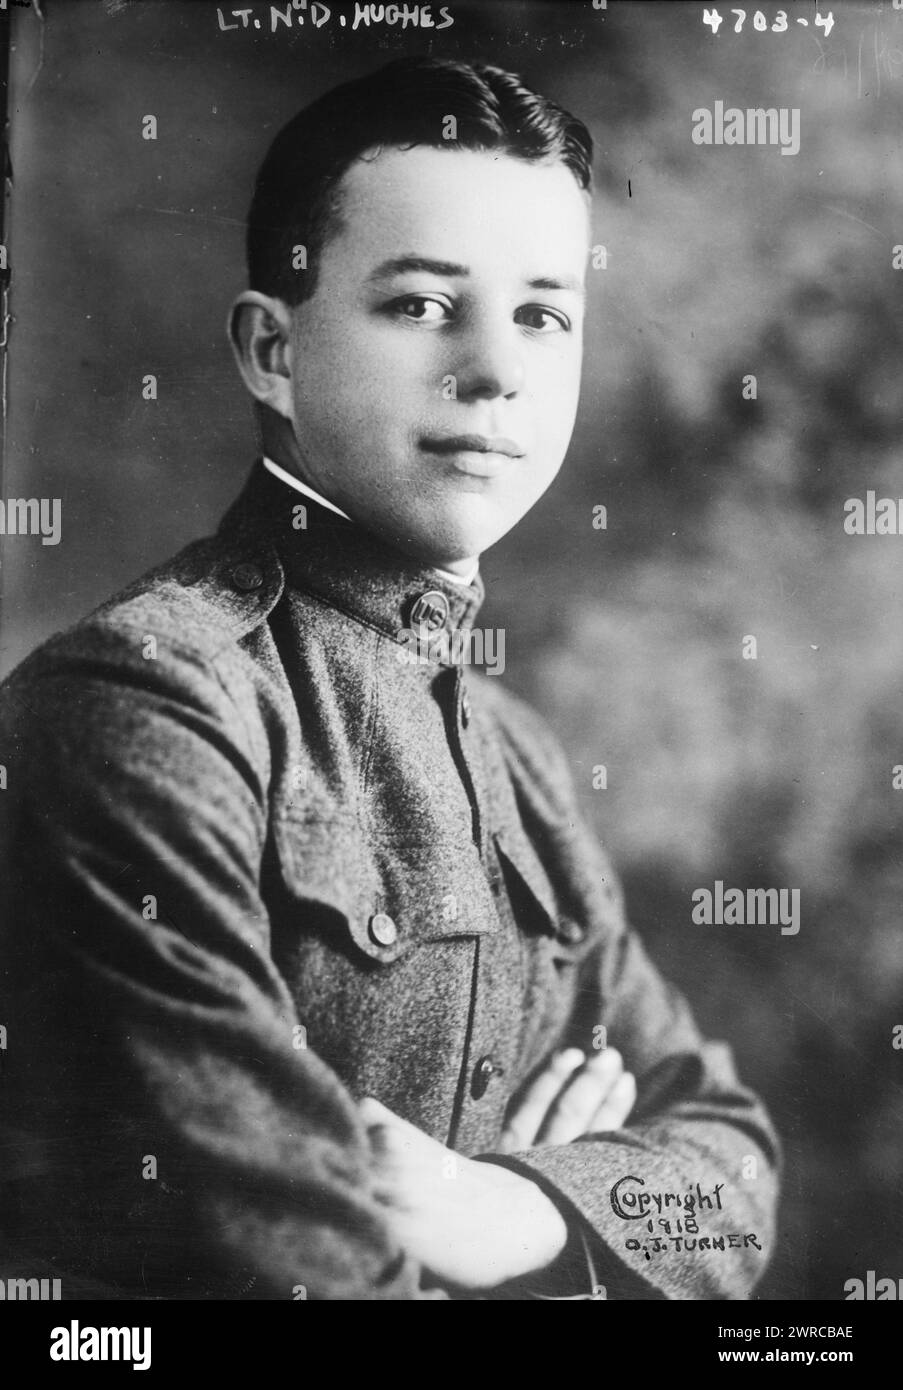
(395, 1143)
(615, 1109)
(376, 1116)
(403, 1154)
(606, 1066)
(523, 1125)
(577, 1103)
(386, 1146)
(373, 1112)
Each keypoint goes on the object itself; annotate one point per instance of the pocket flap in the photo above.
(516, 851)
(387, 898)
(519, 855)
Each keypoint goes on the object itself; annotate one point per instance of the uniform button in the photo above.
(465, 709)
(483, 1073)
(570, 932)
(430, 610)
(382, 929)
(245, 578)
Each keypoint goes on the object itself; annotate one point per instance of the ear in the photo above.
(260, 333)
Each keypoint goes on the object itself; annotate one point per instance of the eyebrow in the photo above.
(399, 265)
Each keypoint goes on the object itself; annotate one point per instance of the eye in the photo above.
(421, 308)
(543, 320)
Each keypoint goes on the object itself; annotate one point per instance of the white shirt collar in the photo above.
(294, 482)
(279, 472)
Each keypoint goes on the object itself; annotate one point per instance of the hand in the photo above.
(471, 1224)
(569, 1097)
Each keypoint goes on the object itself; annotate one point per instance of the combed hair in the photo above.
(405, 103)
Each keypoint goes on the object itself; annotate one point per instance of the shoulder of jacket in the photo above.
(216, 590)
(174, 626)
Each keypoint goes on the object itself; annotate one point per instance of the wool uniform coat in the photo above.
(258, 862)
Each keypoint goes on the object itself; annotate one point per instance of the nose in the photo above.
(491, 362)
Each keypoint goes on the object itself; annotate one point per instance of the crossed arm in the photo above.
(486, 1225)
(172, 1038)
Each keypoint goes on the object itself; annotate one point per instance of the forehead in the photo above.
(485, 208)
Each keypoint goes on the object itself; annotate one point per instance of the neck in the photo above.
(280, 445)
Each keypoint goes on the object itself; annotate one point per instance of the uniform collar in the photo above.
(330, 556)
(307, 491)
(304, 488)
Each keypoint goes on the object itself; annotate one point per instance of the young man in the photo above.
(310, 963)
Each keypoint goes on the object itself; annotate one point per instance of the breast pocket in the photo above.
(379, 902)
(540, 911)
(556, 945)
(379, 946)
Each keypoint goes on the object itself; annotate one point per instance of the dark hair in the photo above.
(403, 104)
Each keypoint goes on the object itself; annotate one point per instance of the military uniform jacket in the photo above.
(258, 863)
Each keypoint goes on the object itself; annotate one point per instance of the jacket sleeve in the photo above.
(163, 1130)
(679, 1204)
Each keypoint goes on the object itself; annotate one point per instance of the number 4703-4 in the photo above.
(760, 21)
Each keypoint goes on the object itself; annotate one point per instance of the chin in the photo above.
(462, 538)
(445, 551)
(438, 542)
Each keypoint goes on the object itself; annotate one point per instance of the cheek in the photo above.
(351, 415)
(555, 397)
(367, 380)
(337, 378)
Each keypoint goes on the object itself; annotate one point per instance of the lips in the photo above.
(472, 444)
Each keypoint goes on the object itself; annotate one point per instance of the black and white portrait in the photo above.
(451, 728)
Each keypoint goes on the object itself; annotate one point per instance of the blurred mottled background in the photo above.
(725, 515)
